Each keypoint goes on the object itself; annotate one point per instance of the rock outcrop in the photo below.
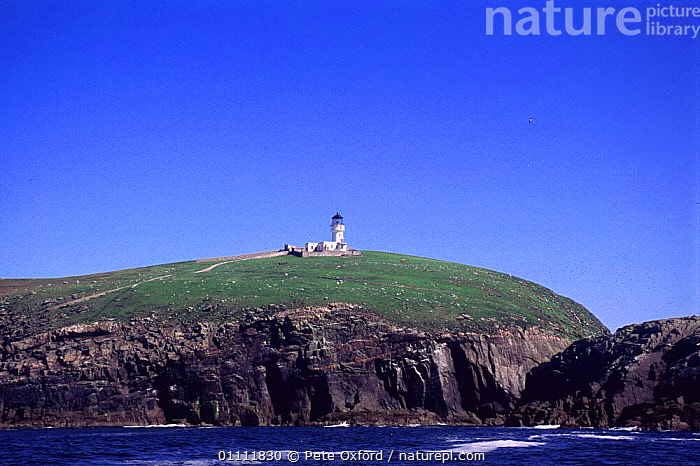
(645, 375)
(282, 367)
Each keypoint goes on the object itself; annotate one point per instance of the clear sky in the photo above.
(139, 133)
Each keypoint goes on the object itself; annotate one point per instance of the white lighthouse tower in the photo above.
(338, 230)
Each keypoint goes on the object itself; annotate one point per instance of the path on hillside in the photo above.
(212, 266)
(97, 295)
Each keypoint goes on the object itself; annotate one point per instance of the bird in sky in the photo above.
(529, 120)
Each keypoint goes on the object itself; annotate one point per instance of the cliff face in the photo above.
(645, 375)
(309, 365)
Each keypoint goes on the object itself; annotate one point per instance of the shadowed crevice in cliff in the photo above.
(480, 393)
(180, 390)
(465, 377)
(414, 377)
(171, 401)
(280, 391)
(320, 398)
(552, 382)
(98, 332)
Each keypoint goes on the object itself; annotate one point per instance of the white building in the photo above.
(335, 247)
(338, 240)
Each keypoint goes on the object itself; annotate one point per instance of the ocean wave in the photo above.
(581, 436)
(152, 426)
(603, 437)
(491, 445)
(676, 440)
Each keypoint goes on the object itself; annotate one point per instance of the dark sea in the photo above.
(352, 445)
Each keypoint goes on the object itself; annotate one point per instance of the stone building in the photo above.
(336, 247)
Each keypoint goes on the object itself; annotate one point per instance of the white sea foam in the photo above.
(676, 440)
(547, 426)
(627, 429)
(342, 424)
(581, 435)
(461, 439)
(152, 426)
(491, 445)
(604, 437)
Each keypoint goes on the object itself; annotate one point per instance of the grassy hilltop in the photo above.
(417, 292)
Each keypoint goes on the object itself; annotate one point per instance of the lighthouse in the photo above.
(337, 244)
(338, 230)
(336, 247)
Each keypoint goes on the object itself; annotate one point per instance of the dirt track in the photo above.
(97, 295)
(212, 266)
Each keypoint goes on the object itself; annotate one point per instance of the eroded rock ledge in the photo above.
(298, 367)
(645, 375)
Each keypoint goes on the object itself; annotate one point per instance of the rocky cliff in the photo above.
(645, 375)
(271, 367)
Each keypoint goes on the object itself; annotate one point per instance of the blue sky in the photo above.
(139, 133)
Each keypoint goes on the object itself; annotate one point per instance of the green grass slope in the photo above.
(422, 293)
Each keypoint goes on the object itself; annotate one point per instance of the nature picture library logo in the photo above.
(661, 19)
